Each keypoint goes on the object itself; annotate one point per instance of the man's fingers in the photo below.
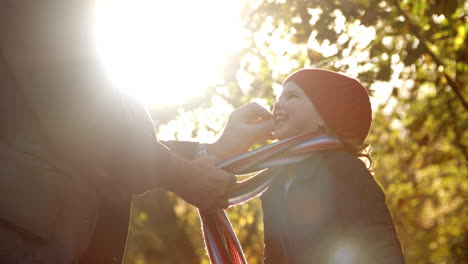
(253, 111)
(224, 181)
(230, 185)
(223, 204)
(262, 130)
(231, 180)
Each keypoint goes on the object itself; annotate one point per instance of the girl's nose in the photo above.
(277, 105)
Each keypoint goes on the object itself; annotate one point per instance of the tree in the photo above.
(412, 57)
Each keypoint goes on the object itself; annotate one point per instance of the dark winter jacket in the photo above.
(328, 209)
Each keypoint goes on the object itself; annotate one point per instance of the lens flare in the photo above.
(164, 52)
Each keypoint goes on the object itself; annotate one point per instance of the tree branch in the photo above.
(415, 30)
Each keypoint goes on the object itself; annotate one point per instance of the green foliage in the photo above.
(412, 56)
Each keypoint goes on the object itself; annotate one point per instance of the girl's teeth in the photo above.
(280, 118)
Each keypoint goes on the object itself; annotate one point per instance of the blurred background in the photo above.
(192, 62)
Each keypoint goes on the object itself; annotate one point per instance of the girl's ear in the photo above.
(323, 128)
(322, 124)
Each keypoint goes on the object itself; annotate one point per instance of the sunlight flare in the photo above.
(165, 52)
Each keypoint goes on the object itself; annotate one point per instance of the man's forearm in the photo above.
(186, 149)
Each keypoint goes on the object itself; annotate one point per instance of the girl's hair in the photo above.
(356, 148)
(359, 150)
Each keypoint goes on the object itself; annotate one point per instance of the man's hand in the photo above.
(246, 125)
(200, 183)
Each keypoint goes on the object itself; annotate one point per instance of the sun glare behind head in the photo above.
(164, 52)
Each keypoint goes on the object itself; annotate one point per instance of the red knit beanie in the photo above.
(342, 101)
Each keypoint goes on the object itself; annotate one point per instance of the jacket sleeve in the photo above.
(341, 215)
(95, 129)
(186, 149)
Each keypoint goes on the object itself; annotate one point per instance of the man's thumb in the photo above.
(262, 130)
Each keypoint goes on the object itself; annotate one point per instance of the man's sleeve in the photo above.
(92, 127)
(186, 149)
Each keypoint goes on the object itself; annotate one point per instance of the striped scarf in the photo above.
(220, 239)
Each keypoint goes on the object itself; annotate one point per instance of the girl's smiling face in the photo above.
(294, 113)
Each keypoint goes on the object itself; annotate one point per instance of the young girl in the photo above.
(322, 205)
(327, 208)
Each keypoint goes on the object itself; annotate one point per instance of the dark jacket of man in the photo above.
(328, 209)
(71, 157)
